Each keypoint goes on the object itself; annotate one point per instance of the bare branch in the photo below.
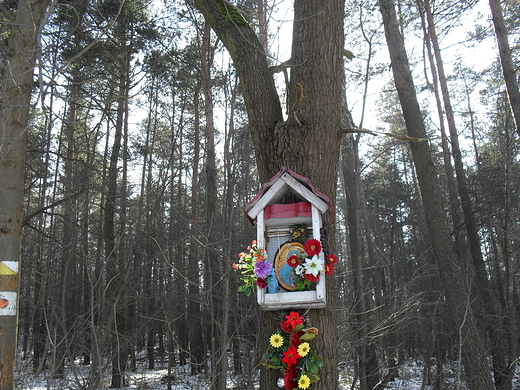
(378, 134)
(7, 13)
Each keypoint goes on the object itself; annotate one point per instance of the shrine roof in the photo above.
(279, 185)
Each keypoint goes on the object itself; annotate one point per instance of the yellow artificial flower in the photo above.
(304, 382)
(303, 349)
(276, 340)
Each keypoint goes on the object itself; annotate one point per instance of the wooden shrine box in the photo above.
(273, 222)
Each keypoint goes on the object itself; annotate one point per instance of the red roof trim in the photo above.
(302, 179)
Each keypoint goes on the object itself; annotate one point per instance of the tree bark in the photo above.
(212, 256)
(506, 59)
(308, 142)
(448, 167)
(113, 257)
(491, 309)
(367, 373)
(21, 50)
(474, 354)
(193, 314)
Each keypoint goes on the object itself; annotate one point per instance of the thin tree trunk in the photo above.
(38, 320)
(114, 272)
(215, 296)
(193, 315)
(506, 59)
(228, 226)
(177, 219)
(148, 257)
(448, 167)
(68, 263)
(367, 379)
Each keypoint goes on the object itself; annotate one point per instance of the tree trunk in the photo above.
(212, 256)
(367, 373)
(488, 302)
(193, 314)
(308, 142)
(114, 272)
(448, 167)
(21, 52)
(474, 354)
(506, 59)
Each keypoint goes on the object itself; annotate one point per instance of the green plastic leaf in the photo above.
(298, 328)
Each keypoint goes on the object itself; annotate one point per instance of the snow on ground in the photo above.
(410, 378)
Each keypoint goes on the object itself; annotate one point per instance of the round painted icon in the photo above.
(284, 272)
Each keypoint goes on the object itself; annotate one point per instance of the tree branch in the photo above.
(378, 134)
(10, 17)
(250, 60)
(28, 217)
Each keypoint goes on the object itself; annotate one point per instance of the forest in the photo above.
(134, 132)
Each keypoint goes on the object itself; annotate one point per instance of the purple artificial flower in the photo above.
(263, 269)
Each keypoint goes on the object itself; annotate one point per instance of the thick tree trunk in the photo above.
(491, 309)
(308, 142)
(17, 84)
(474, 354)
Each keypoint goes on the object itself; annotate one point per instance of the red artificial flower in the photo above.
(291, 356)
(291, 321)
(260, 282)
(288, 377)
(329, 269)
(235, 266)
(332, 259)
(293, 261)
(286, 327)
(312, 247)
(295, 339)
(311, 278)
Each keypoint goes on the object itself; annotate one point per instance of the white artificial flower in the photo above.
(314, 265)
(299, 270)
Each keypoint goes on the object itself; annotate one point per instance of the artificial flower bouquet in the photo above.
(256, 270)
(290, 352)
(307, 267)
